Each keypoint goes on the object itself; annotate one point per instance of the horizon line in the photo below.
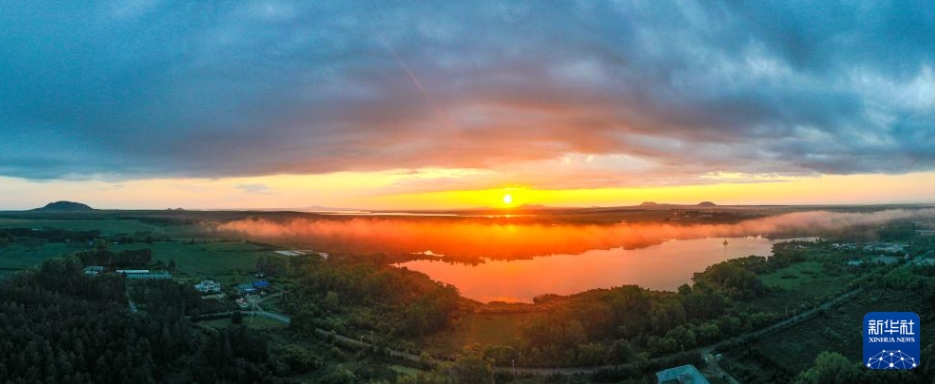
(526, 207)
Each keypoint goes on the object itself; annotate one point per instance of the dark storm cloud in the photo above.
(153, 88)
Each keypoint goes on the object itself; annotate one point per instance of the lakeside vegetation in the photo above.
(628, 330)
(347, 293)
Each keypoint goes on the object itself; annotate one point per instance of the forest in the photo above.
(363, 293)
(137, 258)
(629, 324)
(60, 326)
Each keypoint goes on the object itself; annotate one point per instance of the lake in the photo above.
(664, 266)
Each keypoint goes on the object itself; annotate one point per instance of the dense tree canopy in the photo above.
(137, 258)
(60, 326)
(395, 301)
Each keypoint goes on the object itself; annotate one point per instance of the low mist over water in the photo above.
(470, 240)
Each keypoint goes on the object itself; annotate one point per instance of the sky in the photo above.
(425, 105)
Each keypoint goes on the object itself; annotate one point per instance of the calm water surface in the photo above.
(660, 267)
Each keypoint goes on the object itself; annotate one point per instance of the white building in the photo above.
(132, 271)
(208, 286)
(154, 275)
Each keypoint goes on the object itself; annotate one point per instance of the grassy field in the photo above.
(227, 262)
(196, 259)
(798, 284)
(481, 330)
(221, 261)
(107, 225)
(775, 359)
(795, 275)
(25, 256)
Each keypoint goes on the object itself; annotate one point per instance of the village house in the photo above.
(208, 286)
(144, 274)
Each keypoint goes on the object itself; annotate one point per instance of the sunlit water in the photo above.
(660, 267)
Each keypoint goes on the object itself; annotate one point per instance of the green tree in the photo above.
(340, 375)
(332, 300)
(500, 354)
(469, 368)
(621, 351)
(830, 368)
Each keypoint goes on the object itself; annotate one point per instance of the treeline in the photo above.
(169, 299)
(59, 235)
(737, 277)
(625, 325)
(834, 368)
(60, 326)
(630, 324)
(362, 293)
(136, 237)
(51, 235)
(137, 258)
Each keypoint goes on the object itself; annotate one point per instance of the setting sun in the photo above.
(507, 199)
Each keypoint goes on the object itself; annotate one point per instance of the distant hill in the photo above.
(64, 206)
(648, 203)
(533, 206)
(706, 204)
(321, 208)
(522, 207)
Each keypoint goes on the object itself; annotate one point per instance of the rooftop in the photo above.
(686, 374)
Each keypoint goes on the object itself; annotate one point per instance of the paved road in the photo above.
(359, 343)
(273, 296)
(271, 315)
